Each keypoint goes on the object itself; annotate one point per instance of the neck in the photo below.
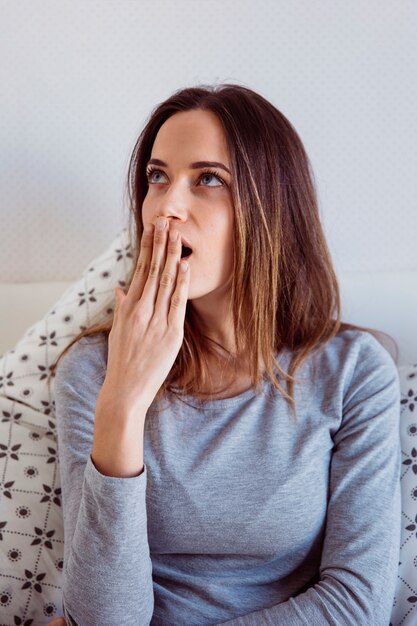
(214, 316)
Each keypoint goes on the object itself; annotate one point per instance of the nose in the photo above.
(174, 205)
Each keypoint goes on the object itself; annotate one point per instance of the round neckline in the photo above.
(207, 404)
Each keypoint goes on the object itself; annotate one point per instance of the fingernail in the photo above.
(161, 223)
(173, 235)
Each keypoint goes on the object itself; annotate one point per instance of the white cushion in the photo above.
(404, 611)
(31, 525)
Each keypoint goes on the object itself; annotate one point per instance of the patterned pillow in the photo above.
(31, 527)
(404, 610)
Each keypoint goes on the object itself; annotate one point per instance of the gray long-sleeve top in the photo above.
(242, 516)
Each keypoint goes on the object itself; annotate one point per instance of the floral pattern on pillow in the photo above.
(31, 525)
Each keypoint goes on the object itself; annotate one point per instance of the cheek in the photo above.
(146, 212)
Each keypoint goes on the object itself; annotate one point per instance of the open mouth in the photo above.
(186, 252)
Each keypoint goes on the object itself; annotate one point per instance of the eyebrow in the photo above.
(195, 166)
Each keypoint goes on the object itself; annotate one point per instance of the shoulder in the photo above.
(354, 361)
(351, 349)
(78, 379)
(369, 367)
(363, 350)
(86, 359)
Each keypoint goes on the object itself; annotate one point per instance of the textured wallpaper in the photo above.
(80, 78)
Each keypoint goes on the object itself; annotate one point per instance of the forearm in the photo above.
(117, 449)
(108, 573)
(107, 576)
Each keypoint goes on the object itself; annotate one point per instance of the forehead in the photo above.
(196, 134)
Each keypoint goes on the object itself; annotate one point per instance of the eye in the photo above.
(150, 172)
(207, 173)
(212, 175)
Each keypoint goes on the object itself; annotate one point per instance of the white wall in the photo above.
(79, 79)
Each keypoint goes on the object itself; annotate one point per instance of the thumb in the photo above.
(117, 294)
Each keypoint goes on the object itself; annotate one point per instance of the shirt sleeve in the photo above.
(107, 575)
(361, 548)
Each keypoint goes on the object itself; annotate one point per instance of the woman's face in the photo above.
(197, 204)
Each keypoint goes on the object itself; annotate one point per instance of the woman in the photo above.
(196, 489)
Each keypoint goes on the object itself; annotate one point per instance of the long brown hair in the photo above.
(284, 290)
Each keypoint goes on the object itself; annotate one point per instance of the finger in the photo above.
(176, 315)
(142, 266)
(150, 289)
(168, 277)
